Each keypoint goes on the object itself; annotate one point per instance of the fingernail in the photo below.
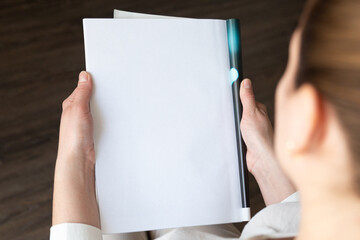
(83, 77)
(247, 83)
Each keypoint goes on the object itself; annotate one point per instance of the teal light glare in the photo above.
(233, 38)
(234, 74)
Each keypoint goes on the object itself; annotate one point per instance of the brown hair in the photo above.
(330, 60)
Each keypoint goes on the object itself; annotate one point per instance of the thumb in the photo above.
(83, 90)
(247, 97)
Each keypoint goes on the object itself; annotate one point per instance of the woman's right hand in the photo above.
(74, 198)
(258, 136)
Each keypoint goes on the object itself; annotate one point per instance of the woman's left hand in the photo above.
(258, 136)
(74, 197)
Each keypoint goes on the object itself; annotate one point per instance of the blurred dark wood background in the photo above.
(41, 54)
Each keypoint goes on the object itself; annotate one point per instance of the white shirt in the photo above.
(274, 221)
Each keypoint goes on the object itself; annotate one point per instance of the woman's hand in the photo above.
(74, 197)
(257, 132)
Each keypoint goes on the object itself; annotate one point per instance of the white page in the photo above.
(164, 127)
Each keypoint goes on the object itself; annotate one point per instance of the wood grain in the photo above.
(41, 54)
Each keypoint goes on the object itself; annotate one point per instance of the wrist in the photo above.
(75, 174)
(273, 183)
(265, 162)
(74, 197)
(83, 163)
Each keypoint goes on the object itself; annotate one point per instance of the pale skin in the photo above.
(310, 146)
(74, 198)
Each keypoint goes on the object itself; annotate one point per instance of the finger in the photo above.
(83, 91)
(68, 101)
(247, 96)
(261, 107)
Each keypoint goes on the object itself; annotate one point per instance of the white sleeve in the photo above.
(295, 197)
(74, 231)
(275, 221)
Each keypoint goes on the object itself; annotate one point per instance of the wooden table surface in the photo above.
(41, 54)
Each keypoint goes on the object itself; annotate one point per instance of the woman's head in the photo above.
(318, 98)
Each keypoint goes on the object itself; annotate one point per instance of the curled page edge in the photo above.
(127, 15)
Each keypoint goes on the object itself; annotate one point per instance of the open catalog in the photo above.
(166, 111)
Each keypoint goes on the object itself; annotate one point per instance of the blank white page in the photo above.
(164, 126)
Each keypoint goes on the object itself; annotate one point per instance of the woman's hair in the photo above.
(330, 61)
